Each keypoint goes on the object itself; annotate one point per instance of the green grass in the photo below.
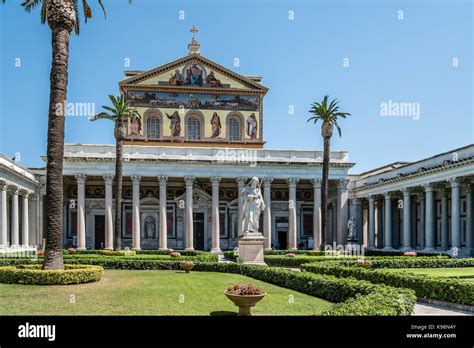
(152, 293)
(461, 273)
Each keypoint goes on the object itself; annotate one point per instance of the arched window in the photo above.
(152, 128)
(234, 127)
(194, 128)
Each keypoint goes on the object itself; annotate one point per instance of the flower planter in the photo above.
(365, 265)
(244, 302)
(186, 266)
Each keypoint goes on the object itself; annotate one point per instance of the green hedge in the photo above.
(419, 262)
(298, 260)
(424, 286)
(33, 274)
(378, 252)
(104, 252)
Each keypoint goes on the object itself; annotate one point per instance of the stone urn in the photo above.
(244, 302)
(187, 266)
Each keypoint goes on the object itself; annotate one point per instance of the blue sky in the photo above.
(301, 59)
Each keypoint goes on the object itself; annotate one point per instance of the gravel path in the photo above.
(432, 309)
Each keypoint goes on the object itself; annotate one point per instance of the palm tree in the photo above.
(62, 17)
(328, 115)
(120, 113)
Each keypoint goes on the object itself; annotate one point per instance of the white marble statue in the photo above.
(351, 227)
(252, 206)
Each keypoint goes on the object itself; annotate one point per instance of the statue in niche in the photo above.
(212, 81)
(252, 206)
(175, 124)
(351, 229)
(216, 125)
(150, 227)
(252, 126)
(136, 126)
(194, 75)
(177, 79)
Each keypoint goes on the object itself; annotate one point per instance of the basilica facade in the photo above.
(199, 139)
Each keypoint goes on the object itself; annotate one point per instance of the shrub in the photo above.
(300, 252)
(298, 260)
(378, 252)
(424, 286)
(33, 274)
(107, 252)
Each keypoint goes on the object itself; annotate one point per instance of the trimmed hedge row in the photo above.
(298, 260)
(419, 262)
(204, 257)
(354, 297)
(33, 274)
(377, 252)
(442, 289)
(104, 252)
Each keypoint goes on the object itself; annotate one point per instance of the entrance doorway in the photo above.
(198, 227)
(99, 223)
(281, 224)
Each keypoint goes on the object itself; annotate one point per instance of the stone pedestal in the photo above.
(251, 247)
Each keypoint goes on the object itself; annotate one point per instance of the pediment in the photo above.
(196, 72)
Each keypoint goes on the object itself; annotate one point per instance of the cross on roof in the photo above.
(194, 31)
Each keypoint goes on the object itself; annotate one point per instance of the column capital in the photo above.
(189, 180)
(15, 190)
(342, 184)
(33, 197)
(163, 179)
(316, 183)
(467, 188)
(292, 182)
(357, 201)
(135, 179)
(267, 181)
(81, 178)
(241, 180)
(443, 192)
(428, 187)
(406, 191)
(420, 196)
(371, 199)
(454, 182)
(215, 180)
(387, 195)
(109, 179)
(3, 185)
(25, 193)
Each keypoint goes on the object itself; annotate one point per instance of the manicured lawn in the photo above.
(461, 273)
(152, 293)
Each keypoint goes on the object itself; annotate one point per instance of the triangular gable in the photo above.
(162, 73)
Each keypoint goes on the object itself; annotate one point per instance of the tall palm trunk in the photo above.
(53, 256)
(118, 187)
(326, 132)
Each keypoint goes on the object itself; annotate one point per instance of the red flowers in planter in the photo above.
(244, 289)
(71, 251)
(410, 253)
(175, 254)
(290, 255)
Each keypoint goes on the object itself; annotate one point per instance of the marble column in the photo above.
(359, 220)
(240, 186)
(267, 214)
(3, 214)
(136, 233)
(421, 232)
(371, 222)
(216, 249)
(25, 226)
(388, 221)
(109, 220)
(292, 223)
(455, 213)
(15, 219)
(81, 211)
(342, 197)
(317, 214)
(406, 238)
(444, 219)
(429, 219)
(469, 218)
(189, 181)
(163, 239)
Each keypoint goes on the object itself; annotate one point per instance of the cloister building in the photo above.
(199, 139)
